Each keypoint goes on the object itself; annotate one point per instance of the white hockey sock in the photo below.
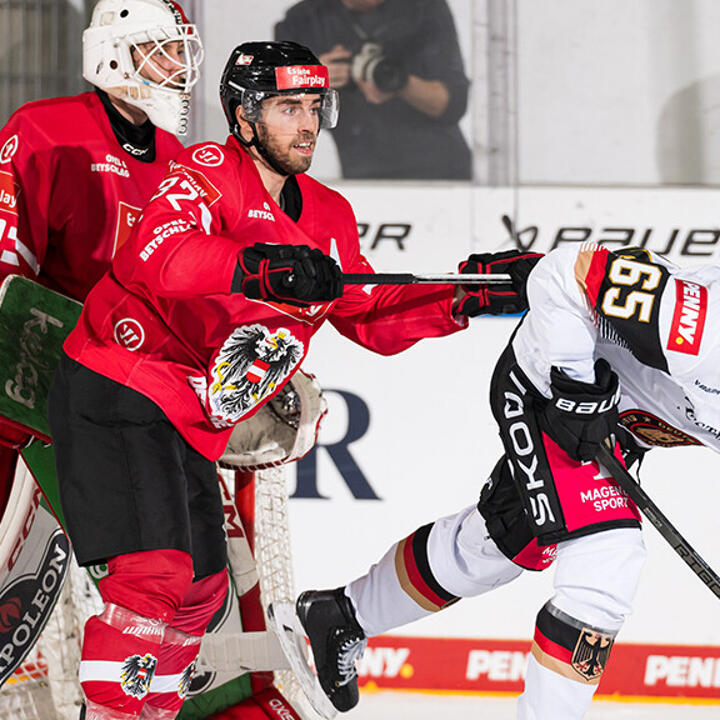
(380, 602)
(551, 696)
(423, 573)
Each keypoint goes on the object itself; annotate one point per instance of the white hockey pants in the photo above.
(595, 581)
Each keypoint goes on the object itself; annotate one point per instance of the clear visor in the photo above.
(168, 58)
(329, 106)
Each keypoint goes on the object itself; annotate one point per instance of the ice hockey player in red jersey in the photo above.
(614, 343)
(207, 312)
(75, 172)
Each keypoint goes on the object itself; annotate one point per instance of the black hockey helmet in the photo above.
(258, 70)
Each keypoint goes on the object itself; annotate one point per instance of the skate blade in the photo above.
(286, 625)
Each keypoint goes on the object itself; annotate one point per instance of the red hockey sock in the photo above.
(181, 645)
(151, 583)
(122, 646)
(119, 659)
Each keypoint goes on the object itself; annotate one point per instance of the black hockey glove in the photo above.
(581, 415)
(292, 274)
(501, 298)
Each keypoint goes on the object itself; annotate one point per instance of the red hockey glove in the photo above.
(501, 298)
(292, 274)
(581, 415)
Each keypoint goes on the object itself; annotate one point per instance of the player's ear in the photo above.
(243, 124)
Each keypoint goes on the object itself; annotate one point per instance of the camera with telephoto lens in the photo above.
(371, 64)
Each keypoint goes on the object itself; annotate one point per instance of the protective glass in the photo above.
(330, 105)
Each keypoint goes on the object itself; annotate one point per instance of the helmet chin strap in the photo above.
(255, 142)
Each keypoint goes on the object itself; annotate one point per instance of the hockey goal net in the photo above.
(45, 687)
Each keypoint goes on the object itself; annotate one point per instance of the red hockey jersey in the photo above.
(69, 193)
(164, 322)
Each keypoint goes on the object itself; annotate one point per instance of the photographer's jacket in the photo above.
(164, 322)
(392, 139)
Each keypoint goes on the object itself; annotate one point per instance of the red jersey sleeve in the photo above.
(177, 248)
(390, 318)
(25, 181)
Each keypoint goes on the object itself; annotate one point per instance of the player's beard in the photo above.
(281, 152)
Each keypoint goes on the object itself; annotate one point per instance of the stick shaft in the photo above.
(426, 279)
(653, 513)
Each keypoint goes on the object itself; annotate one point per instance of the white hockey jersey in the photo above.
(655, 323)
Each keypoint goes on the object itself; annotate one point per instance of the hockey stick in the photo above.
(653, 513)
(428, 279)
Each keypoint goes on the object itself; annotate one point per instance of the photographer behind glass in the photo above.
(397, 67)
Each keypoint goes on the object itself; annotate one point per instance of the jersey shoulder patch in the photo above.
(47, 124)
(194, 182)
(208, 154)
(623, 290)
(688, 322)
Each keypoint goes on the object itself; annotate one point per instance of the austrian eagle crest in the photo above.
(251, 364)
(186, 679)
(137, 674)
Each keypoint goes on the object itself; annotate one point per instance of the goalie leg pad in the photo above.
(263, 705)
(181, 645)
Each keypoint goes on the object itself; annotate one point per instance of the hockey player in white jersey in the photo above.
(621, 344)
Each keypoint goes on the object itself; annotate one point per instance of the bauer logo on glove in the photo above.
(581, 415)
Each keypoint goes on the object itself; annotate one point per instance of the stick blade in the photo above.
(285, 623)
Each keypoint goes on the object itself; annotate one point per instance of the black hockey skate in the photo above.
(337, 641)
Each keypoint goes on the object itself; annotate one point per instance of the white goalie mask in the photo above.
(146, 53)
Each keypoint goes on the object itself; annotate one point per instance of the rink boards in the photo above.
(461, 665)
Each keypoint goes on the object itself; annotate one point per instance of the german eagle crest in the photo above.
(252, 363)
(591, 654)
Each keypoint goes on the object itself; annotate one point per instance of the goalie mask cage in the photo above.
(45, 687)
